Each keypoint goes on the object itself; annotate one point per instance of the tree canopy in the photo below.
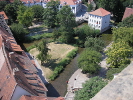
(2, 5)
(25, 15)
(50, 13)
(95, 43)
(89, 61)
(18, 32)
(11, 10)
(90, 88)
(67, 23)
(118, 54)
(124, 34)
(43, 51)
(38, 11)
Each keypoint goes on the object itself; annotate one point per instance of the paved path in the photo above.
(76, 81)
(81, 78)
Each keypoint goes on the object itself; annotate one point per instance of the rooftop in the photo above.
(127, 13)
(120, 88)
(3, 13)
(100, 12)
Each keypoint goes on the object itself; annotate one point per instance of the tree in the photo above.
(56, 34)
(18, 32)
(50, 13)
(90, 88)
(25, 15)
(43, 51)
(11, 10)
(85, 31)
(2, 5)
(90, 7)
(127, 22)
(89, 61)
(124, 34)
(67, 23)
(95, 43)
(38, 11)
(118, 54)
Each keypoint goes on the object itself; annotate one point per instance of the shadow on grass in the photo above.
(51, 64)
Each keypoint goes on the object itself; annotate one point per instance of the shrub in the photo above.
(111, 71)
(60, 66)
(31, 47)
(90, 88)
(73, 53)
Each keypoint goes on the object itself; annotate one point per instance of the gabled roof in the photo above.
(25, 97)
(127, 13)
(16, 68)
(100, 12)
(3, 13)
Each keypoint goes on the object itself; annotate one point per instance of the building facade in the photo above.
(75, 5)
(99, 19)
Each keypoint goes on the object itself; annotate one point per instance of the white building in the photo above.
(99, 19)
(75, 5)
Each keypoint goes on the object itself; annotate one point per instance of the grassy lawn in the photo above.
(57, 52)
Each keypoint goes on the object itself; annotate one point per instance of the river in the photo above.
(58, 87)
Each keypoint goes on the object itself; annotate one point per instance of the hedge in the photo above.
(61, 65)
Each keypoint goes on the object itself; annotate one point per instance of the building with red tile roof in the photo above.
(18, 75)
(99, 19)
(75, 5)
(5, 17)
(25, 97)
(127, 13)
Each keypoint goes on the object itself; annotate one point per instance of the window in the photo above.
(73, 7)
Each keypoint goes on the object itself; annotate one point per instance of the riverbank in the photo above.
(57, 52)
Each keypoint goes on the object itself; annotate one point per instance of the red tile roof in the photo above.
(100, 12)
(70, 2)
(127, 13)
(17, 69)
(25, 97)
(3, 13)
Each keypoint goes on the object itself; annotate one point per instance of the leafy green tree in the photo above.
(38, 11)
(118, 54)
(11, 10)
(18, 32)
(127, 22)
(67, 23)
(90, 7)
(2, 5)
(85, 31)
(66, 18)
(95, 43)
(50, 13)
(90, 88)
(89, 61)
(25, 15)
(56, 34)
(124, 34)
(43, 51)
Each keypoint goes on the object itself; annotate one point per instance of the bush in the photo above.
(38, 37)
(72, 54)
(31, 47)
(90, 88)
(111, 71)
(60, 66)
